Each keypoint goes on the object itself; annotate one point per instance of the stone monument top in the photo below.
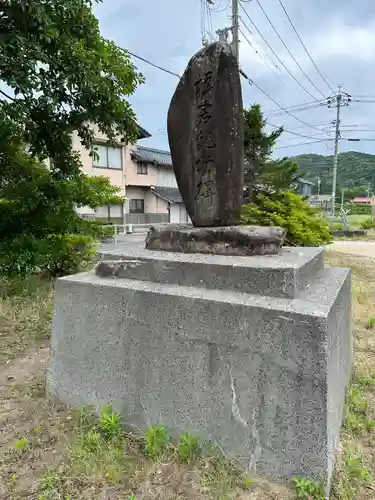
(205, 132)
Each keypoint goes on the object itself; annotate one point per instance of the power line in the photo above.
(304, 46)
(152, 64)
(274, 53)
(290, 132)
(287, 49)
(258, 53)
(302, 144)
(251, 82)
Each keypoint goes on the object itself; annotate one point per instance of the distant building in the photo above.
(304, 187)
(322, 201)
(363, 200)
(144, 175)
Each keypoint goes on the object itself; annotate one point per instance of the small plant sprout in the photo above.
(307, 489)
(110, 423)
(370, 325)
(157, 441)
(22, 445)
(188, 448)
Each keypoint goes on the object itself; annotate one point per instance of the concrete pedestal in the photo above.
(253, 353)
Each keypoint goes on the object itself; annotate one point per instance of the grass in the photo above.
(48, 452)
(354, 221)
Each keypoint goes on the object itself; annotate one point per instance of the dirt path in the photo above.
(359, 248)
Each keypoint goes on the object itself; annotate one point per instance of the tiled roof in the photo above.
(304, 181)
(155, 156)
(170, 194)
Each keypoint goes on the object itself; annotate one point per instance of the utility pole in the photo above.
(235, 29)
(336, 101)
(336, 156)
(318, 182)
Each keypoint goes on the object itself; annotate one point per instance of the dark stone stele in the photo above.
(232, 240)
(205, 132)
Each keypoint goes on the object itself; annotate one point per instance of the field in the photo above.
(354, 221)
(50, 453)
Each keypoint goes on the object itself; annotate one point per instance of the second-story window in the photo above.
(108, 157)
(142, 168)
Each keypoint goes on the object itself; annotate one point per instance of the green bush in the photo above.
(56, 255)
(368, 223)
(290, 211)
(356, 209)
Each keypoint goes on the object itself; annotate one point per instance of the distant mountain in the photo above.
(354, 170)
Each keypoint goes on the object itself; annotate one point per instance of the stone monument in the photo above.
(205, 131)
(251, 352)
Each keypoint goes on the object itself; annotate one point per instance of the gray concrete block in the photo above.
(283, 275)
(265, 377)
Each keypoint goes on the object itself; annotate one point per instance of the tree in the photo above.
(271, 183)
(62, 76)
(260, 169)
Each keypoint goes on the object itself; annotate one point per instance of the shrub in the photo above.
(290, 211)
(357, 209)
(368, 223)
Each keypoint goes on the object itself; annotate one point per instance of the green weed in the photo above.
(188, 448)
(370, 325)
(351, 476)
(157, 441)
(307, 489)
(110, 423)
(357, 420)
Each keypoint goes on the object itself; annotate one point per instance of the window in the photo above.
(108, 157)
(137, 206)
(141, 168)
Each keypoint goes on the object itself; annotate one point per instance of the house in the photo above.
(145, 177)
(322, 201)
(363, 200)
(304, 187)
(151, 188)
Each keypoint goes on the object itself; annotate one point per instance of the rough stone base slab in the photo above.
(264, 377)
(231, 240)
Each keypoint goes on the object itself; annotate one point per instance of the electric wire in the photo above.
(287, 49)
(304, 46)
(275, 54)
(260, 55)
(251, 82)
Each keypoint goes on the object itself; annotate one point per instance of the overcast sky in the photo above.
(340, 36)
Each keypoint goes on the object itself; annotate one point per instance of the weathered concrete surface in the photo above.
(232, 240)
(205, 132)
(284, 275)
(263, 376)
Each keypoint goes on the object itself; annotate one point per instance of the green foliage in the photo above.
(356, 171)
(288, 210)
(64, 78)
(352, 476)
(368, 223)
(110, 423)
(357, 420)
(307, 489)
(188, 448)
(260, 169)
(370, 325)
(157, 441)
(357, 209)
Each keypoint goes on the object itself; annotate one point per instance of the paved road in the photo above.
(360, 248)
(124, 242)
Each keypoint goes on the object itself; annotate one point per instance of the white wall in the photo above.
(166, 177)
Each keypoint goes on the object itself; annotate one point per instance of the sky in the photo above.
(340, 37)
